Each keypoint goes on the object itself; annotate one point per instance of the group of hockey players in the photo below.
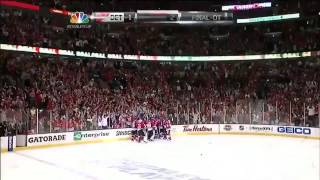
(149, 130)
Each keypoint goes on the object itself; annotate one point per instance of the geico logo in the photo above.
(294, 130)
(115, 17)
(47, 138)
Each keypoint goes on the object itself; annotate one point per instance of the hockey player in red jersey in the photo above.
(154, 128)
(160, 128)
(145, 130)
(148, 130)
(134, 132)
(140, 128)
(167, 129)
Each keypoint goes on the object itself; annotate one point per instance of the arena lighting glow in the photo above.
(40, 50)
(20, 5)
(269, 18)
(62, 12)
(32, 7)
(246, 6)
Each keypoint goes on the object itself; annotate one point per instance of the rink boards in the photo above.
(22, 142)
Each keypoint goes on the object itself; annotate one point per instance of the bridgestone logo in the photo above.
(255, 128)
(123, 133)
(47, 138)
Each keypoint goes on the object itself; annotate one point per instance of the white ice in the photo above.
(184, 158)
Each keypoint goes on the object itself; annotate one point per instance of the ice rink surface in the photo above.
(184, 158)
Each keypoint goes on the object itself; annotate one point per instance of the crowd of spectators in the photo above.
(79, 94)
(29, 28)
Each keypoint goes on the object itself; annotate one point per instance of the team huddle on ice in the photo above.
(149, 130)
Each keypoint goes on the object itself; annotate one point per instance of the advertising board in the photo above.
(177, 130)
(294, 130)
(5, 146)
(44, 139)
(195, 129)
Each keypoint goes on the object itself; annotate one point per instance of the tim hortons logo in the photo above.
(196, 128)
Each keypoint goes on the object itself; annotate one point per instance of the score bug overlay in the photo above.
(108, 16)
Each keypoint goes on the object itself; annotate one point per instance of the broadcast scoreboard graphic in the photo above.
(163, 16)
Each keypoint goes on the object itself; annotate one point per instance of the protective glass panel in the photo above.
(243, 111)
(231, 113)
(283, 112)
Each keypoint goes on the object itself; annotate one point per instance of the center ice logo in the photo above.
(77, 136)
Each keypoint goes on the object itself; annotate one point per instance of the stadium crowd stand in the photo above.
(76, 94)
(31, 29)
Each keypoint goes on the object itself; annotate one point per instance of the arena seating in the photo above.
(68, 95)
(31, 29)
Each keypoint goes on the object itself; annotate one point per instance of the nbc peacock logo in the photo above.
(79, 18)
